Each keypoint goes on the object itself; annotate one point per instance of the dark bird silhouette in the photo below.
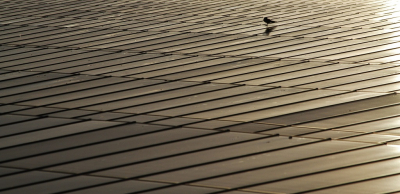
(268, 21)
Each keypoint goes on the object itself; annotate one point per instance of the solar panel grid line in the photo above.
(147, 64)
(229, 173)
(201, 95)
(6, 84)
(68, 13)
(9, 50)
(182, 111)
(347, 50)
(78, 41)
(98, 58)
(387, 130)
(387, 57)
(98, 64)
(42, 38)
(296, 54)
(361, 35)
(215, 160)
(20, 90)
(12, 74)
(50, 133)
(383, 36)
(11, 108)
(152, 40)
(28, 178)
(186, 134)
(114, 8)
(236, 44)
(192, 26)
(363, 135)
(44, 111)
(35, 13)
(131, 100)
(260, 77)
(15, 118)
(75, 23)
(247, 31)
(32, 62)
(126, 93)
(340, 81)
(35, 5)
(284, 16)
(299, 106)
(327, 75)
(349, 125)
(41, 148)
(358, 186)
(97, 7)
(354, 56)
(200, 18)
(193, 75)
(359, 181)
(283, 50)
(38, 21)
(233, 21)
(348, 165)
(124, 71)
(144, 17)
(188, 67)
(16, 10)
(114, 24)
(24, 139)
(102, 16)
(11, 20)
(59, 185)
(154, 27)
(153, 156)
(363, 16)
(82, 94)
(4, 71)
(12, 129)
(363, 24)
(16, 6)
(334, 110)
(242, 71)
(111, 42)
(25, 33)
(184, 40)
(205, 27)
(381, 112)
(390, 87)
(321, 22)
(218, 39)
(43, 11)
(159, 16)
(93, 15)
(390, 26)
(221, 12)
(205, 98)
(10, 31)
(82, 86)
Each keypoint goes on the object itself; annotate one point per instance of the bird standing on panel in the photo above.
(268, 21)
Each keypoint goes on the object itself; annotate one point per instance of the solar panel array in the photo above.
(199, 96)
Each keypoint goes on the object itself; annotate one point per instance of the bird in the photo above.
(268, 21)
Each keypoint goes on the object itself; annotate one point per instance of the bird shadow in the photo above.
(268, 30)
